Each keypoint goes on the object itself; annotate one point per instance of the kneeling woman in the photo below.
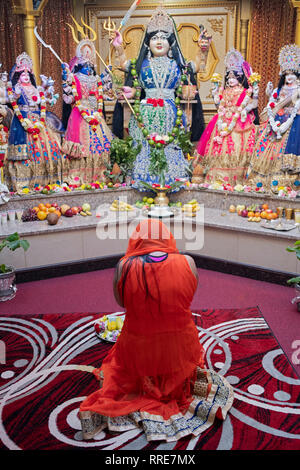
(154, 377)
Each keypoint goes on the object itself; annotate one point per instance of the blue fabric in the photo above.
(293, 143)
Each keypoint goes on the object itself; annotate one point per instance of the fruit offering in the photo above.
(109, 327)
(191, 208)
(121, 206)
(256, 212)
(29, 215)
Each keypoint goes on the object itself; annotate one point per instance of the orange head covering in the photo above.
(150, 235)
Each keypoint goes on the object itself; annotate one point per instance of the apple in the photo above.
(79, 208)
(86, 207)
(74, 210)
(244, 213)
(54, 204)
(68, 213)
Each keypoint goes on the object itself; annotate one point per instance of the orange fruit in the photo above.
(41, 206)
(263, 215)
(250, 214)
(36, 209)
(257, 214)
(265, 207)
(269, 216)
(41, 215)
(57, 212)
(48, 205)
(274, 215)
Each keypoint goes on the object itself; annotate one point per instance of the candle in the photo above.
(297, 216)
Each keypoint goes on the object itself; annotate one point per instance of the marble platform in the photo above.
(214, 232)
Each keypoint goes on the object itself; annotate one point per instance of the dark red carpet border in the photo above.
(42, 383)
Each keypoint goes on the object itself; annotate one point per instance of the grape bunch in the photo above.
(29, 215)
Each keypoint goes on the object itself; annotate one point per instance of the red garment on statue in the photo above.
(152, 368)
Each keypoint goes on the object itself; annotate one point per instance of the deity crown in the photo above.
(23, 61)
(289, 58)
(234, 61)
(160, 21)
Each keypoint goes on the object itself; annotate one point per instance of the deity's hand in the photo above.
(118, 40)
(204, 40)
(127, 91)
(65, 71)
(3, 110)
(4, 76)
(269, 88)
(243, 115)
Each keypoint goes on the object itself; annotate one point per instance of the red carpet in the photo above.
(42, 384)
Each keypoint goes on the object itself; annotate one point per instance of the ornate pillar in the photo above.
(296, 4)
(244, 26)
(244, 37)
(27, 10)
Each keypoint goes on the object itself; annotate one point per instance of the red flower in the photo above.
(5, 129)
(34, 98)
(275, 95)
(272, 105)
(92, 93)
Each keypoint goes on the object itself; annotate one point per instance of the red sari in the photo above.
(154, 376)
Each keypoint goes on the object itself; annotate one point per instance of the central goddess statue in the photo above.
(153, 79)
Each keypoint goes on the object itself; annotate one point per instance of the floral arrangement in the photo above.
(254, 79)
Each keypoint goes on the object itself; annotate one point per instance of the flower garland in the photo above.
(154, 140)
(276, 126)
(92, 119)
(31, 128)
(223, 128)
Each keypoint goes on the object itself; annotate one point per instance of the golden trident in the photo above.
(109, 26)
(94, 37)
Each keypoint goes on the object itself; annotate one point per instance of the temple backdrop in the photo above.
(258, 28)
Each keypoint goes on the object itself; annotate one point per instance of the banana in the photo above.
(83, 213)
(88, 213)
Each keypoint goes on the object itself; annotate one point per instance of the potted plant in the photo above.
(7, 273)
(295, 280)
(123, 153)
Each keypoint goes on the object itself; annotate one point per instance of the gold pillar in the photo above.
(25, 8)
(30, 44)
(244, 37)
(296, 4)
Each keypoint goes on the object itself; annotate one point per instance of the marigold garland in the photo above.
(27, 124)
(92, 119)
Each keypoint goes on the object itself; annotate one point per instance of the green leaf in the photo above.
(3, 268)
(24, 244)
(294, 280)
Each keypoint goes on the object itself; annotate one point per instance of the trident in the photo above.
(109, 26)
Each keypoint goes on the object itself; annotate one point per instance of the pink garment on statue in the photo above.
(239, 127)
(75, 119)
(206, 135)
